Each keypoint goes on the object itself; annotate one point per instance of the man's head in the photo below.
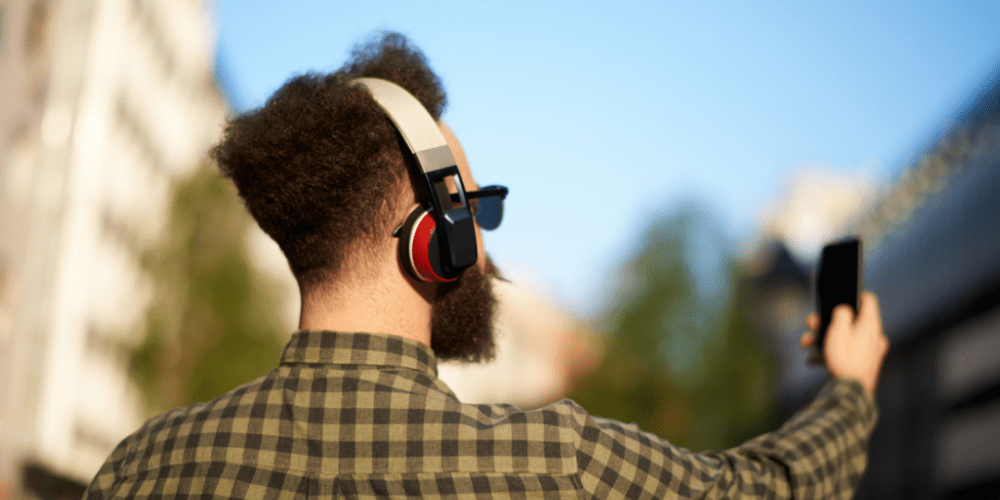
(319, 165)
(326, 175)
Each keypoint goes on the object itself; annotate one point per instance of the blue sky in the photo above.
(600, 116)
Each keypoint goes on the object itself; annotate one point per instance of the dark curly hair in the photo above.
(320, 166)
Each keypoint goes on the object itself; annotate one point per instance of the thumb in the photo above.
(841, 319)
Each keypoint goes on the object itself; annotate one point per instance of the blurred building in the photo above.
(103, 105)
(931, 247)
(780, 289)
(934, 243)
(816, 206)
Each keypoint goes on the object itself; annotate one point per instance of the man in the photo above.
(355, 408)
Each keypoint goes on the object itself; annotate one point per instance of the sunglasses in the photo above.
(486, 205)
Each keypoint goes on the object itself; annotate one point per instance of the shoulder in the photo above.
(565, 421)
(194, 426)
(180, 429)
(238, 401)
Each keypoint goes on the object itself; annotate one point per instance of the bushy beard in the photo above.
(462, 317)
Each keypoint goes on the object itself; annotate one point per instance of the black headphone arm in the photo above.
(457, 237)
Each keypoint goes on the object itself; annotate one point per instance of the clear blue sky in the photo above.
(601, 115)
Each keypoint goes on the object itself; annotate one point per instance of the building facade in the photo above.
(105, 104)
(931, 246)
(932, 258)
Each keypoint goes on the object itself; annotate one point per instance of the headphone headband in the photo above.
(422, 135)
(413, 122)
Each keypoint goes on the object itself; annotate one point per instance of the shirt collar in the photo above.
(368, 349)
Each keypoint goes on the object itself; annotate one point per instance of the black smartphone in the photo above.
(838, 281)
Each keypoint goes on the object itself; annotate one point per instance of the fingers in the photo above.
(869, 307)
(873, 315)
(808, 339)
(812, 321)
(843, 314)
(855, 344)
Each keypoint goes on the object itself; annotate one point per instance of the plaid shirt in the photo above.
(350, 415)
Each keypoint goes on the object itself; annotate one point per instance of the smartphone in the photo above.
(838, 281)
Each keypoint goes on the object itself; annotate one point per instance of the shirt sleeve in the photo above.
(104, 483)
(821, 452)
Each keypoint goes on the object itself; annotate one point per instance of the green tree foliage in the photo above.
(212, 324)
(682, 359)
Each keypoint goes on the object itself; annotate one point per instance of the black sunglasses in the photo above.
(488, 208)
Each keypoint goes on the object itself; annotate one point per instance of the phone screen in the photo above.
(838, 281)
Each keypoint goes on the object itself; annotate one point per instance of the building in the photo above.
(816, 206)
(931, 247)
(104, 105)
(932, 258)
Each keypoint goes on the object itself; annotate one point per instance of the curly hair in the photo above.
(320, 166)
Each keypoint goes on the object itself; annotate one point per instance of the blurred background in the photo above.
(674, 170)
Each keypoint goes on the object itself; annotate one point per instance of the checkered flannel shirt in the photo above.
(351, 415)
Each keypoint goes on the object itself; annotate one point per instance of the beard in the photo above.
(462, 317)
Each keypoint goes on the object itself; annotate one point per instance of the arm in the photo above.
(821, 452)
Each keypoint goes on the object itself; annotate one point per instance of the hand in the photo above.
(854, 347)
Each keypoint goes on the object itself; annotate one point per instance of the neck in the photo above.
(389, 303)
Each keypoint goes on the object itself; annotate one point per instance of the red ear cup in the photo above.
(418, 246)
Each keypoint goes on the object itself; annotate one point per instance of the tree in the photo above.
(212, 324)
(682, 361)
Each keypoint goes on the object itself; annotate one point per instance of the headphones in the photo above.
(438, 239)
